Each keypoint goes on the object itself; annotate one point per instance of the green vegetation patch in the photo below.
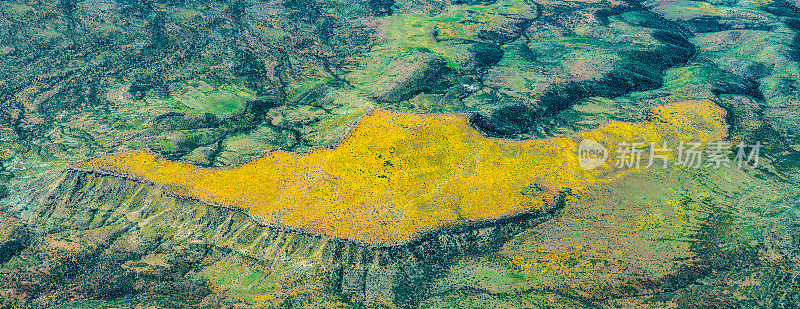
(224, 100)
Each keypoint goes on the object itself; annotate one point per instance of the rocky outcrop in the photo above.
(358, 272)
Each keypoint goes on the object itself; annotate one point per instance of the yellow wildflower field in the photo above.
(399, 174)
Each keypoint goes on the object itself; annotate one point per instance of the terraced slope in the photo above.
(400, 174)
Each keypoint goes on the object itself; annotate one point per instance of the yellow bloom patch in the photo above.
(400, 174)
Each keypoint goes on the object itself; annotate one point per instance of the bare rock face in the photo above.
(133, 221)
